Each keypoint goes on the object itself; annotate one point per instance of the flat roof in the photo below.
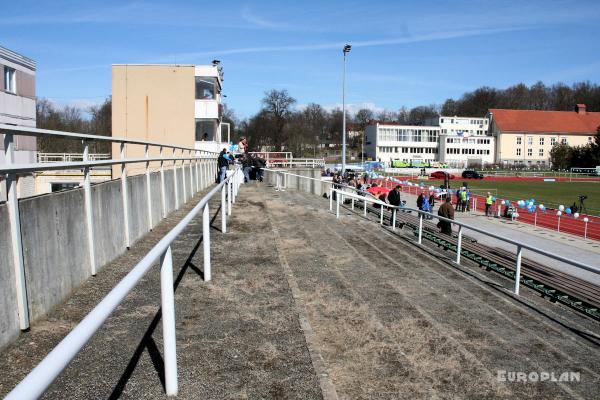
(17, 58)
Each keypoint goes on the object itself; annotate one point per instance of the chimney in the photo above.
(580, 108)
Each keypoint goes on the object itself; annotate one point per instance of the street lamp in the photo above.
(346, 50)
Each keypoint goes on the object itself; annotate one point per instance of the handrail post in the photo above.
(175, 182)
(196, 167)
(148, 191)
(420, 228)
(223, 210)
(167, 295)
(87, 194)
(163, 194)
(12, 203)
(459, 244)
(337, 204)
(352, 203)
(202, 173)
(206, 242)
(365, 206)
(394, 219)
(192, 192)
(381, 215)
(228, 183)
(183, 184)
(331, 198)
(518, 271)
(125, 199)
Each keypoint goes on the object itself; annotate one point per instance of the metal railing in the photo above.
(342, 192)
(201, 165)
(67, 157)
(40, 378)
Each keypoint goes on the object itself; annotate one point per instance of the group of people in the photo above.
(250, 162)
(463, 195)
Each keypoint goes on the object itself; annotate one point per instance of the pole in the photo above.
(206, 242)
(518, 272)
(344, 117)
(420, 228)
(87, 192)
(168, 321)
(459, 244)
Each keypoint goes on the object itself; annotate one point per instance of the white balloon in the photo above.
(561, 208)
(576, 215)
(559, 213)
(585, 219)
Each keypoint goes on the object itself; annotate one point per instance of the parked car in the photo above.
(471, 174)
(440, 175)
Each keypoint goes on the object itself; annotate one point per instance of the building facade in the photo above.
(525, 137)
(465, 141)
(175, 104)
(17, 107)
(385, 142)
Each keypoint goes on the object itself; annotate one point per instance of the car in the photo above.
(441, 175)
(471, 174)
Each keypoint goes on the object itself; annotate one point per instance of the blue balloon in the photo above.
(493, 199)
(568, 211)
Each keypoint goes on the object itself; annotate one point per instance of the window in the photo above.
(206, 130)
(518, 139)
(206, 87)
(563, 140)
(541, 153)
(529, 152)
(530, 140)
(552, 141)
(10, 84)
(518, 152)
(589, 139)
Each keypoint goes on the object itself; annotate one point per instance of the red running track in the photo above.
(545, 219)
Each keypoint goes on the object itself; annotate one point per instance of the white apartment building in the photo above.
(211, 133)
(385, 142)
(456, 141)
(464, 141)
(17, 107)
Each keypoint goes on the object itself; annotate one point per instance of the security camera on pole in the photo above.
(346, 50)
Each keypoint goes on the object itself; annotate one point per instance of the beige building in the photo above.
(175, 104)
(525, 137)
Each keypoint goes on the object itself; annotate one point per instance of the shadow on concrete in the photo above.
(147, 342)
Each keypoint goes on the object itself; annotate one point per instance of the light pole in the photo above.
(346, 50)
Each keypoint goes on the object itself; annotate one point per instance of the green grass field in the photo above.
(550, 194)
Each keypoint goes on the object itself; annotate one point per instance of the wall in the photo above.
(153, 103)
(507, 145)
(55, 240)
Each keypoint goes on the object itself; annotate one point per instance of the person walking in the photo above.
(447, 211)
(394, 199)
(488, 204)
(247, 166)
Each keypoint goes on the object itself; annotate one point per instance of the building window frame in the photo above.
(10, 79)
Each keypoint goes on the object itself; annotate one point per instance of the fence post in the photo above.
(394, 210)
(459, 244)
(518, 271)
(206, 242)
(175, 182)
(223, 210)
(87, 194)
(148, 191)
(12, 203)
(420, 228)
(229, 190)
(330, 198)
(535, 218)
(197, 171)
(163, 194)
(167, 295)
(352, 203)
(585, 221)
(192, 192)
(337, 204)
(558, 227)
(125, 199)
(183, 184)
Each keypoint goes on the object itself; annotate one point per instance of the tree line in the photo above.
(280, 125)
(98, 121)
(565, 157)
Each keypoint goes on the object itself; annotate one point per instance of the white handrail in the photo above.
(38, 380)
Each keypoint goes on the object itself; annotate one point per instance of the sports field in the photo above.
(551, 194)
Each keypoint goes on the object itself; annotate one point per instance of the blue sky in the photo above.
(404, 52)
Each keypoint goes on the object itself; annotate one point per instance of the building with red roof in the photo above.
(527, 136)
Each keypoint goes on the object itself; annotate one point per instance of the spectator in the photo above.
(463, 199)
(488, 204)
(259, 164)
(420, 201)
(223, 164)
(247, 166)
(446, 211)
(431, 200)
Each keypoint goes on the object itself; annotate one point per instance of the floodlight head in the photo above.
(216, 62)
(347, 48)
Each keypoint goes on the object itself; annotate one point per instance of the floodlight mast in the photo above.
(346, 50)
